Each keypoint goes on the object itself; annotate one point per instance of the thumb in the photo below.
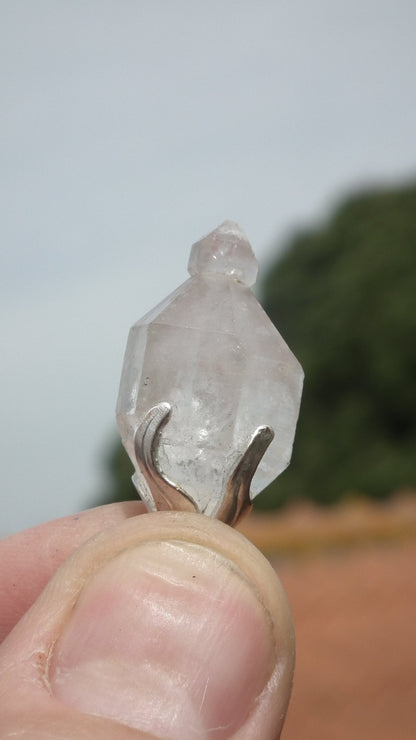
(171, 623)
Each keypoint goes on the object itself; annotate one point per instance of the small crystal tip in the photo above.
(225, 251)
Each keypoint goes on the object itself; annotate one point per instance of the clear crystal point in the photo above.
(225, 251)
(211, 353)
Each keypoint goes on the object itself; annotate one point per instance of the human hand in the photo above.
(168, 625)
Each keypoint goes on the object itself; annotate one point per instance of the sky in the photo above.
(130, 129)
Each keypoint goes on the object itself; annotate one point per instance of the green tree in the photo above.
(344, 297)
(119, 471)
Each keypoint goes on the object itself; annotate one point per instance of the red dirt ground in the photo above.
(355, 616)
(355, 619)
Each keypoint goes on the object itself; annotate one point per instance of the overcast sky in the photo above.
(128, 130)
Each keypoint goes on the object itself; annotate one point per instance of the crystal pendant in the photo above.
(210, 392)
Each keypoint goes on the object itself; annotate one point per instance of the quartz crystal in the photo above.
(212, 353)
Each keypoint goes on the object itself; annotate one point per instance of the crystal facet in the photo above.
(213, 357)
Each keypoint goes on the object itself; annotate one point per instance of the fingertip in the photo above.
(163, 611)
(30, 558)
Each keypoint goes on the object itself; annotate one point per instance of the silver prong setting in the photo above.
(161, 494)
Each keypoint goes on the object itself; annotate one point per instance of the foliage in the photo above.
(344, 297)
(119, 471)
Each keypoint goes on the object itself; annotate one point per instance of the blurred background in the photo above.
(128, 131)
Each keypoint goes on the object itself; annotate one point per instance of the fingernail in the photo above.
(168, 637)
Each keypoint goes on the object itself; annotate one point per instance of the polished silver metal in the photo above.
(156, 490)
(237, 499)
(161, 494)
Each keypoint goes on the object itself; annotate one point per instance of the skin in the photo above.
(119, 624)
